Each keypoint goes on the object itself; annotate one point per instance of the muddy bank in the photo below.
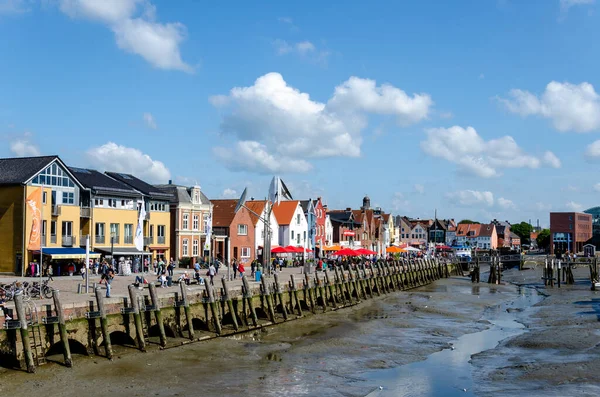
(331, 354)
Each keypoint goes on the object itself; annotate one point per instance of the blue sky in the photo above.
(481, 109)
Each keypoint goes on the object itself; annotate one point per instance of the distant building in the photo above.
(504, 234)
(569, 231)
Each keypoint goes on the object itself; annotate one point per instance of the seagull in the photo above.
(380, 387)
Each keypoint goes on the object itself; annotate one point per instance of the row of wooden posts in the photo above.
(336, 289)
(495, 276)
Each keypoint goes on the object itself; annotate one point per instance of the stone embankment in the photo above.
(145, 319)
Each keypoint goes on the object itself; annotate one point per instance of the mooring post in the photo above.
(295, 294)
(158, 314)
(330, 288)
(338, 286)
(104, 323)
(229, 303)
(248, 297)
(269, 297)
(279, 296)
(137, 318)
(62, 328)
(213, 307)
(24, 331)
(319, 287)
(309, 293)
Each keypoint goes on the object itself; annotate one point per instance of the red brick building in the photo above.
(569, 231)
(232, 229)
(320, 215)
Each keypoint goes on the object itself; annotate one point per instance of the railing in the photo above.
(43, 242)
(55, 210)
(100, 239)
(85, 212)
(53, 239)
(82, 238)
(160, 240)
(68, 241)
(148, 240)
(128, 240)
(114, 240)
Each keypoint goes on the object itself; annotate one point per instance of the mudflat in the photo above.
(362, 350)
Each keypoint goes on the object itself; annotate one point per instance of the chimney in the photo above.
(170, 181)
(348, 209)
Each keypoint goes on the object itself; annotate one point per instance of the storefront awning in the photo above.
(121, 251)
(67, 253)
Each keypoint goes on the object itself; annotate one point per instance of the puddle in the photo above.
(449, 372)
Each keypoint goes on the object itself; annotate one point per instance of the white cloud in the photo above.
(446, 115)
(229, 193)
(471, 197)
(149, 121)
(277, 127)
(305, 49)
(566, 4)
(132, 22)
(8, 7)
(305, 46)
(22, 147)
(570, 107)
(473, 155)
(419, 188)
(573, 206)
(597, 187)
(593, 149)
(551, 160)
(117, 158)
(506, 203)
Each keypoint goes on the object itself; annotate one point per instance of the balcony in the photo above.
(68, 241)
(160, 240)
(148, 240)
(55, 210)
(128, 240)
(82, 238)
(43, 241)
(53, 239)
(100, 239)
(85, 212)
(115, 239)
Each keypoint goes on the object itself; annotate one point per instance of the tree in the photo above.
(468, 222)
(523, 230)
(543, 239)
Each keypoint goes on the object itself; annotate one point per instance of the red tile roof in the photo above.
(284, 211)
(468, 230)
(256, 206)
(223, 212)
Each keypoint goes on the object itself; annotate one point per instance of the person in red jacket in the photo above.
(241, 269)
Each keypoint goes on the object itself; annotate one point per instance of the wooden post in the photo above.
(330, 288)
(268, 297)
(279, 293)
(158, 314)
(229, 303)
(309, 293)
(295, 294)
(319, 286)
(62, 328)
(24, 332)
(139, 331)
(248, 297)
(338, 286)
(104, 323)
(213, 307)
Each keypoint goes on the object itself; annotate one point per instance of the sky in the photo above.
(478, 109)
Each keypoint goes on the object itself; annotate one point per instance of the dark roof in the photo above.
(223, 212)
(18, 170)
(141, 186)
(181, 194)
(344, 217)
(487, 230)
(102, 184)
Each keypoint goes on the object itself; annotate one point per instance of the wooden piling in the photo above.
(20, 308)
(104, 323)
(248, 300)
(330, 288)
(279, 296)
(229, 303)
(213, 308)
(139, 331)
(295, 295)
(62, 328)
(158, 314)
(268, 298)
(308, 293)
(319, 286)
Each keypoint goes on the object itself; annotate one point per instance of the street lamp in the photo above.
(112, 247)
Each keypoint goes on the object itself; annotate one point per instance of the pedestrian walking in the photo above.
(170, 267)
(109, 278)
(241, 269)
(234, 264)
(211, 273)
(49, 273)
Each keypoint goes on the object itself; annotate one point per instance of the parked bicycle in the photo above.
(33, 290)
(8, 291)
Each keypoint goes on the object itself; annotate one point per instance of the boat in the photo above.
(462, 252)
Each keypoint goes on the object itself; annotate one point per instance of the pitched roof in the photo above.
(468, 230)
(141, 186)
(305, 204)
(100, 183)
(486, 230)
(256, 206)
(386, 217)
(514, 235)
(18, 170)
(181, 194)
(223, 212)
(284, 211)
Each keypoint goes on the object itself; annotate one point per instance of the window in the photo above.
(53, 175)
(297, 219)
(292, 234)
(196, 222)
(53, 228)
(98, 202)
(245, 252)
(68, 197)
(44, 197)
(304, 235)
(99, 229)
(195, 248)
(242, 230)
(114, 230)
(128, 230)
(184, 247)
(185, 223)
(112, 203)
(298, 238)
(151, 230)
(44, 228)
(161, 230)
(67, 228)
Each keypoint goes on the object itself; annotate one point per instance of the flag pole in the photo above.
(41, 267)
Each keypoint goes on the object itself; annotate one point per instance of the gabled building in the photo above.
(481, 236)
(157, 228)
(345, 229)
(504, 233)
(190, 213)
(315, 214)
(39, 209)
(258, 213)
(328, 231)
(293, 227)
(233, 232)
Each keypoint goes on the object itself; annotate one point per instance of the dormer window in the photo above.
(196, 195)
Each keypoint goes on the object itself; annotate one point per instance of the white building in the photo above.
(258, 213)
(451, 236)
(418, 234)
(293, 228)
(328, 231)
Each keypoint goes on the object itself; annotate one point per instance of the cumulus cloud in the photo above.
(593, 149)
(117, 158)
(573, 206)
(471, 197)
(149, 121)
(133, 24)
(230, 193)
(22, 147)
(419, 188)
(570, 107)
(551, 160)
(474, 155)
(506, 203)
(276, 127)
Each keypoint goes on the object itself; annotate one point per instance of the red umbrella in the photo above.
(279, 250)
(295, 250)
(364, 251)
(346, 252)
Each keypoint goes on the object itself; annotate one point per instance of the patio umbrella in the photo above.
(364, 251)
(279, 250)
(346, 252)
(394, 250)
(332, 248)
(295, 250)
(412, 249)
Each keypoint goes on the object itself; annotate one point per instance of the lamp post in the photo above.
(112, 248)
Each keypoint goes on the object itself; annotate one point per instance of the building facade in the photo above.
(233, 232)
(569, 231)
(293, 227)
(260, 210)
